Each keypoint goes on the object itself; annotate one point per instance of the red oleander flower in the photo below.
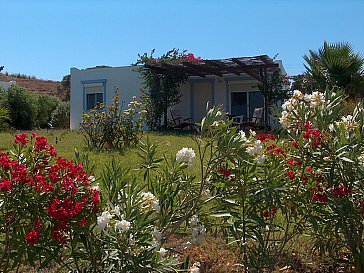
(341, 191)
(83, 222)
(263, 137)
(319, 197)
(293, 162)
(6, 185)
(225, 172)
(32, 237)
(291, 175)
(21, 139)
(271, 212)
(294, 144)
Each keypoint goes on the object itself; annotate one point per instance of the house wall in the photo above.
(6, 85)
(123, 79)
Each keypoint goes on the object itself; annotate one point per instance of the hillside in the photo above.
(37, 85)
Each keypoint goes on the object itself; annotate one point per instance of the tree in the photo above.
(335, 64)
(162, 90)
(66, 86)
(277, 88)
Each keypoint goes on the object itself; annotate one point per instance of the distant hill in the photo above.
(53, 88)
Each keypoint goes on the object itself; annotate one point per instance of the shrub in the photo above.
(4, 118)
(60, 117)
(23, 107)
(48, 205)
(112, 127)
(46, 106)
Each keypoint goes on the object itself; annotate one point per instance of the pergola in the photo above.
(257, 67)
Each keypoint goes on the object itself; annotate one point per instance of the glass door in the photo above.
(239, 103)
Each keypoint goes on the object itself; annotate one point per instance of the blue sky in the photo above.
(45, 38)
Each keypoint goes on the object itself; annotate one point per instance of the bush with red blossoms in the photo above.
(47, 202)
(328, 162)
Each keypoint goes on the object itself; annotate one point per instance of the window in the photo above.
(93, 93)
(93, 99)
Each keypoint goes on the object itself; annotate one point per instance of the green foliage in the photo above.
(335, 64)
(112, 128)
(28, 109)
(162, 90)
(60, 117)
(23, 107)
(4, 118)
(66, 86)
(46, 106)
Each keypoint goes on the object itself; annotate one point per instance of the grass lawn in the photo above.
(66, 141)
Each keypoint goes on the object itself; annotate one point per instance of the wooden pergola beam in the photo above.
(248, 71)
(189, 70)
(202, 67)
(222, 66)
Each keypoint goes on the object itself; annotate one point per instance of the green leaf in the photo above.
(221, 214)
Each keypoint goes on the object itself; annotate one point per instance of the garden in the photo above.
(214, 200)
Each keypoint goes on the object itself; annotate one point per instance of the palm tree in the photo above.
(336, 65)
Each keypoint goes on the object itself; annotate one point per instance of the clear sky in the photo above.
(45, 38)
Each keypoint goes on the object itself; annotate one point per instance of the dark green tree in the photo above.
(335, 64)
(66, 86)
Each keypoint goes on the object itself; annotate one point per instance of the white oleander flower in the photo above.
(131, 240)
(332, 127)
(252, 150)
(215, 123)
(194, 220)
(297, 95)
(103, 219)
(260, 159)
(349, 122)
(317, 99)
(122, 225)
(242, 135)
(151, 200)
(186, 155)
(162, 251)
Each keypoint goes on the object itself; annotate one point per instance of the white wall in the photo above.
(6, 85)
(125, 79)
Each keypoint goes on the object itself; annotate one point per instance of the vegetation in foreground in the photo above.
(264, 197)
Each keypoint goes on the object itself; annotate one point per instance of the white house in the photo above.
(6, 85)
(231, 82)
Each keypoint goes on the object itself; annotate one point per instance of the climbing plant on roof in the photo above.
(162, 90)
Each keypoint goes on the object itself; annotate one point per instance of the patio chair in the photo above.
(237, 120)
(254, 121)
(179, 121)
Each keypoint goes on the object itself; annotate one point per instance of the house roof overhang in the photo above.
(257, 67)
